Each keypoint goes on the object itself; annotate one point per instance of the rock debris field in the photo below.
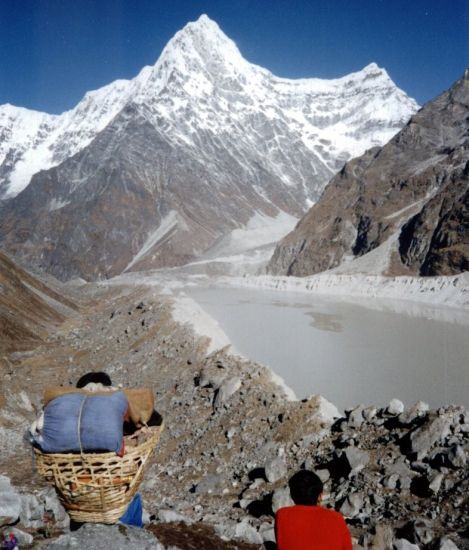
(232, 439)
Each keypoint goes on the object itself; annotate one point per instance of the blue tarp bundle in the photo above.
(96, 420)
(134, 512)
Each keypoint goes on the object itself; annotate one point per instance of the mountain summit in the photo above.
(156, 170)
(399, 209)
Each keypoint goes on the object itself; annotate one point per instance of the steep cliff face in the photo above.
(410, 198)
(154, 171)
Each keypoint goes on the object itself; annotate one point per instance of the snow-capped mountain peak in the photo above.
(204, 39)
(201, 83)
(158, 170)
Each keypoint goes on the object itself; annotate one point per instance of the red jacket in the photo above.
(311, 528)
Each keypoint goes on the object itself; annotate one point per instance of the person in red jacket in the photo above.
(308, 526)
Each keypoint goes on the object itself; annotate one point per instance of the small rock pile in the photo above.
(30, 516)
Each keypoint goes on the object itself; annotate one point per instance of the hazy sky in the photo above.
(53, 51)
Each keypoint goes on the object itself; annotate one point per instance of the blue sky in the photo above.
(53, 51)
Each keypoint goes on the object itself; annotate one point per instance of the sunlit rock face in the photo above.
(402, 208)
(156, 170)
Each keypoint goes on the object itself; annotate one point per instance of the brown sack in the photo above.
(140, 400)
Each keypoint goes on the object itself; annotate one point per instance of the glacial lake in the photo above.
(350, 352)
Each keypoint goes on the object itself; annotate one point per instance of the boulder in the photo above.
(325, 411)
(281, 498)
(357, 458)
(457, 457)
(398, 475)
(209, 379)
(210, 484)
(423, 439)
(356, 417)
(395, 407)
(435, 483)
(23, 538)
(275, 469)
(246, 532)
(93, 536)
(352, 505)
(32, 511)
(444, 543)
(169, 516)
(390, 481)
(227, 388)
(370, 413)
(382, 539)
(418, 531)
(267, 532)
(10, 502)
(403, 544)
(418, 410)
(53, 506)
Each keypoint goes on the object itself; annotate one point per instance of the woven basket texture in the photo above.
(97, 487)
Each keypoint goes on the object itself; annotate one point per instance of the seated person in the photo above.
(93, 382)
(308, 526)
(96, 381)
(102, 422)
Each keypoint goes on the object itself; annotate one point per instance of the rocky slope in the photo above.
(156, 170)
(408, 202)
(29, 309)
(231, 442)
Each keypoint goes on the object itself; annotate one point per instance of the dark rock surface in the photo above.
(412, 193)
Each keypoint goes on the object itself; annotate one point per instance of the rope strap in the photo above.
(79, 424)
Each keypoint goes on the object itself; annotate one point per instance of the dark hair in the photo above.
(96, 377)
(305, 487)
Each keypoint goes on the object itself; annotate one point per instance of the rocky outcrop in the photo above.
(410, 199)
(154, 171)
(436, 240)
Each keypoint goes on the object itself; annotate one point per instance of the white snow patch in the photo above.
(168, 223)
(375, 262)
(187, 311)
(450, 291)
(57, 204)
(260, 230)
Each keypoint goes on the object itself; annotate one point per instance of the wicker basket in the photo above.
(97, 487)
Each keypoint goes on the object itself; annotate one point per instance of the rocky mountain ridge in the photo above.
(407, 202)
(29, 309)
(154, 171)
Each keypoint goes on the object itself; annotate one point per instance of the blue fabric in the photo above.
(101, 426)
(134, 512)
